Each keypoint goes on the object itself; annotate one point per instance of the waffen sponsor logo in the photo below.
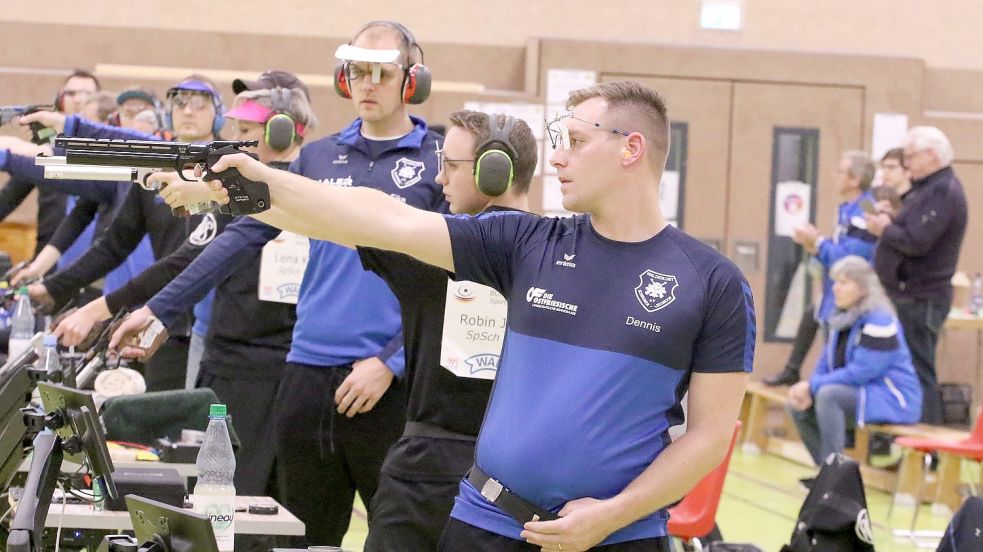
(407, 172)
(655, 291)
(346, 181)
(542, 299)
(341, 160)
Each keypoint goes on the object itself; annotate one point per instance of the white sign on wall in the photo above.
(792, 204)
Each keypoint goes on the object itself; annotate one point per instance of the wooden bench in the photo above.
(759, 434)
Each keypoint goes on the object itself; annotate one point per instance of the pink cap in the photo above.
(250, 111)
(257, 113)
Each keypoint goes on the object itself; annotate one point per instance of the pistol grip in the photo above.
(246, 197)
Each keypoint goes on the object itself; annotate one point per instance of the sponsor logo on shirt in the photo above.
(341, 160)
(346, 181)
(567, 261)
(407, 172)
(542, 299)
(655, 291)
(205, 231)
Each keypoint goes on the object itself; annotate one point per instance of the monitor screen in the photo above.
(179, 530)
(81, 420)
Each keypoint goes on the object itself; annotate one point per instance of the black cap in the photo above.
(138, 93)
(271, 79)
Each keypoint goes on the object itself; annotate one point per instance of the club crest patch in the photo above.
(407, 172)
(655, 291)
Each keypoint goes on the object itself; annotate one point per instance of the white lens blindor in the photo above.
(347, 52)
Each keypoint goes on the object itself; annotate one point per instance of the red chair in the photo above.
(695, 515)
(970, 448)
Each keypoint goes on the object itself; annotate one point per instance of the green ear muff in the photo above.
(494, 166)
(280, 132)
(493, 172)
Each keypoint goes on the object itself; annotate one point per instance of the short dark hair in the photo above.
(649, 113)
(896, 154)
(82, 74)
(521, 138)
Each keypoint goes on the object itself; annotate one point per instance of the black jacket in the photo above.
(142, 212)
(917, 254)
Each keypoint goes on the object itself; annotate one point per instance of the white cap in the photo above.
(347, 52)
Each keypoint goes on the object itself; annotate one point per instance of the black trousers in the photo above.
(167, 368)
(409, 515)
(325, 456)
(922, 320)
(808, 328)
(461, 537)
(251, 407)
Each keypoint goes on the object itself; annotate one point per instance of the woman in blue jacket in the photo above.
(865, 374)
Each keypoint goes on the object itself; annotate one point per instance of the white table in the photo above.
(82, 516)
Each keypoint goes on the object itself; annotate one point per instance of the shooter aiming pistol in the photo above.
(246, 197)
(40, 134)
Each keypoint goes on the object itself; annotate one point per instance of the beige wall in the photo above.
(945, 34)
(507, 58)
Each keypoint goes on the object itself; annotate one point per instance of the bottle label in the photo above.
(221, 512)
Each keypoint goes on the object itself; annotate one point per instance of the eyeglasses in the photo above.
(379, 72)
(197, 101)
(441, 160)
(559, 134)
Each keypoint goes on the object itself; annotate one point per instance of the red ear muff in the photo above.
(416, 84)
(341, 81)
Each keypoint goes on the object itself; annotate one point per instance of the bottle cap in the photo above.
(217, 411)
(22, 290)
(50, 340)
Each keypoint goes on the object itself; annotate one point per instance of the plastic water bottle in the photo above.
(976, 297)
(215, 495)
(49, 358)
(21, 325)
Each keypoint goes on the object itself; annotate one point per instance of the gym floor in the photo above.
(761, 502)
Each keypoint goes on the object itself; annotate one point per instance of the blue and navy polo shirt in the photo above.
(602, 339)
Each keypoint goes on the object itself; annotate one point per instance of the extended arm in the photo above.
(346, 215)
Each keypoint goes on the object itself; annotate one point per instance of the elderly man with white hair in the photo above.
(917, 252)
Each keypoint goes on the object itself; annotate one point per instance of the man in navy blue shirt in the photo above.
(613, 316)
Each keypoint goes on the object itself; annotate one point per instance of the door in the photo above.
(829, 121)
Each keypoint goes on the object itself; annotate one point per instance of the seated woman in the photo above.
(865, 374)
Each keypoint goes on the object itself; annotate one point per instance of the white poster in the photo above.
(282, 268)
(474, 329)
(791, 207)
(889, 131)
(669, 196)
